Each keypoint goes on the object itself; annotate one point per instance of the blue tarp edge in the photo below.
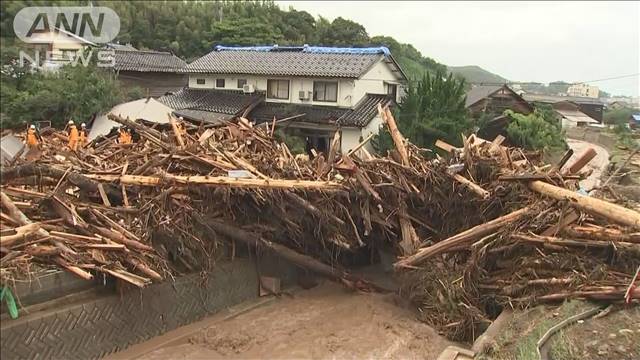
(309, 49)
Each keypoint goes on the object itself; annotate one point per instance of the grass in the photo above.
(520, 337)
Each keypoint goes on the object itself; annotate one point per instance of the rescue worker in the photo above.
(83, 135)
(124, 137)
(73, 135)
(33, 140)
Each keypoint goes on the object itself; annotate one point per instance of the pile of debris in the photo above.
(471, 231)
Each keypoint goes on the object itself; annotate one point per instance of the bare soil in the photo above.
(615, 336)
(326, 322)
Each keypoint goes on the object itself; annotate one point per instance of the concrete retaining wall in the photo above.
(106, 324)
(592, 135)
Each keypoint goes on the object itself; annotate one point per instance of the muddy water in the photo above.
(326, 322)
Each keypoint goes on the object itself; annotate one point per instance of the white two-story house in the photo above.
(323, 89)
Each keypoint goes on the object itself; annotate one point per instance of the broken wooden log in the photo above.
(601, 233)
(396, 135)
(550, 240)
(605, 209)
(475, 188)
(581, 161)
(169, 179)
(79, 180)
(462, 239)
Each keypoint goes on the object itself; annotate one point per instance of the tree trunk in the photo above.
(462, 239)
(607, 210)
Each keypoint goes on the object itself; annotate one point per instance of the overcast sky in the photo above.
(521, 41)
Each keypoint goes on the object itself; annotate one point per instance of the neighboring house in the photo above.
(583, 90)
(570, 115)
(494, 100)
(59, 46)
(491, 101)
(322, 89)
(634, 121)
(592, 107)
(155, 72)
(616, 105)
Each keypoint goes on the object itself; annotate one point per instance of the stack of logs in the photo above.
(479, 216)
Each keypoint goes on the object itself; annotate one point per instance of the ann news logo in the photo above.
(66, 35)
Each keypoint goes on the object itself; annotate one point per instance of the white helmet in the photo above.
(83, 125)
(180, 118)
(32, 126)
(70, 122)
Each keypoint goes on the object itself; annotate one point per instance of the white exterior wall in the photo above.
(350, 91)
(584, 90)
(296, 84)
(58, 43)
(351, 137)
(373, 81)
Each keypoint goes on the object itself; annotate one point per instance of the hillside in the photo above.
(476, 74)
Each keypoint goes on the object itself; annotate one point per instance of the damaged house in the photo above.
(490, 102)
(316, 90)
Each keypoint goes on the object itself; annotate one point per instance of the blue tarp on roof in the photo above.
(309, 49)
(636, 117)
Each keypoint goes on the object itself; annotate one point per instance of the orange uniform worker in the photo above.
(83, 135)
(73, 136)
(123, 136)
(32, 137)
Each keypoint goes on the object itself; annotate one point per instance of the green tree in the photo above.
(534, 131)
(72, 93)
(618, 116)
(432, 108)
(343, 32)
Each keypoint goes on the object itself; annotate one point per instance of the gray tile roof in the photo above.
(365, 110)
(205, 116)
(284, 63)
(147, 61)
(480, 92)
(218, 101)
(195, 104)
(552, 99)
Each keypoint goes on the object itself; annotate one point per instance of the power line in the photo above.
(605, 79)
(569, 83)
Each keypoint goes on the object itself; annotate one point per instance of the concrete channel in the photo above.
(65, 319)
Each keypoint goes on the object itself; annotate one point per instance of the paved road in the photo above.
(598, 164)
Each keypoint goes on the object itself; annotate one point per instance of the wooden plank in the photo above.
(445, 146)
(103, 195)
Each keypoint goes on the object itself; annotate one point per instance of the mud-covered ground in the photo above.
(326, 322)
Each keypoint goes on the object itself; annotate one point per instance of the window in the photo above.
(325, 91)
(69, 54)
(392, 90)
(219, 83)
(200, 81)
(242, 83)
(278, 89)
